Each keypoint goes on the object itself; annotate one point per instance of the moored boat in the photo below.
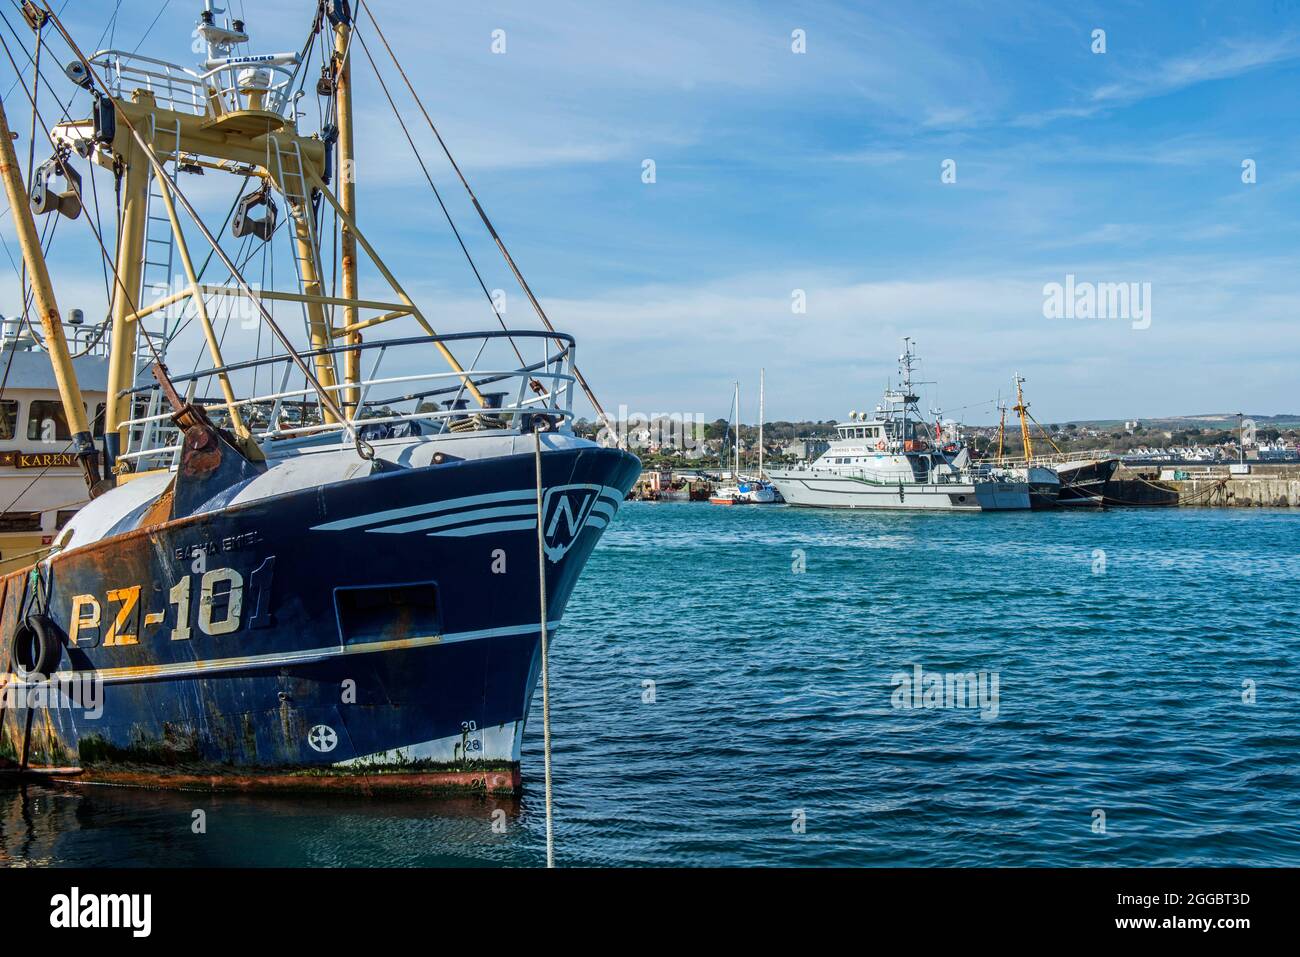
(349, 596)
(745, 492)
(1058, 480)
(41, 484)
(891, 461)
(1084, 481)
(740, 490)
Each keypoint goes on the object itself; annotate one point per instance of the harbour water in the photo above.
(726, 674)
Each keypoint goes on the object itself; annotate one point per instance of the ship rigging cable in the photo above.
(103, 249)
(363, 447)
(153, 23)
(437, 195)
(500, 243)
(364, 450)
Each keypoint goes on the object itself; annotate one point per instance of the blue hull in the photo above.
(377, 625)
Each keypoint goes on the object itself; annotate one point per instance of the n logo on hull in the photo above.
(564, 512)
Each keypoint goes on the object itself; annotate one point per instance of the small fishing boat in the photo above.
(1056, 481)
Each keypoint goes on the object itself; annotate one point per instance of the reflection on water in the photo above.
(97, 826)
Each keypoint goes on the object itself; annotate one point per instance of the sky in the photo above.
(920, 169)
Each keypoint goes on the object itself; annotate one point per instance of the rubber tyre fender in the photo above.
(35, 643)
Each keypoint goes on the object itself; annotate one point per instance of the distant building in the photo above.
(806, 449)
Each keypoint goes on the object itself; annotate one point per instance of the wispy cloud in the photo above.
(1224, 60)
(1228, 59)
(675, 345)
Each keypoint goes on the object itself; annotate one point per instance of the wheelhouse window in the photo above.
(97, 426)
(20, 522)
(8, 418)
(46, 422)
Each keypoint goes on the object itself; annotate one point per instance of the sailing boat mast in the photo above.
(83, 444)
(1002, 428)
(736, 473)
(760, 424)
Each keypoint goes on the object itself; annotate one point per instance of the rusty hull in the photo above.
(209, 689)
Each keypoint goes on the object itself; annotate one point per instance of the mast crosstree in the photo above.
(236, 116)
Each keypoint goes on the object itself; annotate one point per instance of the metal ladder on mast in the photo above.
(156, 272)
(297, 194)
(159, 243)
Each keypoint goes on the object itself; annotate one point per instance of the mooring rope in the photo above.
(546, 678)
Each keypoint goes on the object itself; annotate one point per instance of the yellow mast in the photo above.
(1023, 411)
(347, 199)
(65, 376)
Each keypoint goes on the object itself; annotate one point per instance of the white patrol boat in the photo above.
(890, 461)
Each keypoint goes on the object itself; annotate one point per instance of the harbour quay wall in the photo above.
(1242, 491)
(1270, 485)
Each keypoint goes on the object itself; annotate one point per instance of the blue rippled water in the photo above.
(1124, 644)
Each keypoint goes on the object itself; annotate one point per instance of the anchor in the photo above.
(245, 225)
(45, 199)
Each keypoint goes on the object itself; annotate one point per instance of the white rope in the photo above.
(546, 678)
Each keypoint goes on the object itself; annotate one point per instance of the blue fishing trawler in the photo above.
(319, 564)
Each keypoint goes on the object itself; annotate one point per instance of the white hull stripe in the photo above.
(471, 515)
(375, 518)
(189, 669)
(601, 514)
(441, 521)
(486, 528)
